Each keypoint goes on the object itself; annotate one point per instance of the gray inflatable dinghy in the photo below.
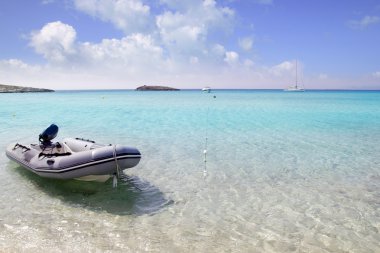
(73, 158)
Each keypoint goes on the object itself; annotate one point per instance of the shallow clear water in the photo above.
(285, 172)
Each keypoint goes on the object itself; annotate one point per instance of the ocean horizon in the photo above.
(218, 89)
(284, 172)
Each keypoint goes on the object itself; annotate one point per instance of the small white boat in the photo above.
(206, 89)
(73, 158)
(295, 87)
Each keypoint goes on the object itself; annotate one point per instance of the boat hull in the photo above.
(103, 160)
(295, 90)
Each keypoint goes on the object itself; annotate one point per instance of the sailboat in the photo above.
(295, 87)
(206, 89)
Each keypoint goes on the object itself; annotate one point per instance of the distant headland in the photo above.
(19, 89)
(156, 88)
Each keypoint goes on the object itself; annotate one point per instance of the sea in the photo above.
(226, 171)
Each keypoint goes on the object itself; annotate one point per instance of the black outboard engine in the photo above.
(49, 134)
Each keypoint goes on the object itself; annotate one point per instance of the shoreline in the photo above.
(21, 89)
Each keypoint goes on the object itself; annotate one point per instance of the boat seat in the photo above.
(59, 148)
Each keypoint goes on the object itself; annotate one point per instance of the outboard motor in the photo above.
(49, 134)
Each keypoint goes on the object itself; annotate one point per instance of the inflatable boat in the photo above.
(73, 158)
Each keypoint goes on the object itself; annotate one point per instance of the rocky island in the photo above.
(19, 89)
(155, 88)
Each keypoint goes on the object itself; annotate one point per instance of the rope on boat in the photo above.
(21, 146)
(53, 154)
(116, 176)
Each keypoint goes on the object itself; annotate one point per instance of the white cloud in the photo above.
(128, 15)
(246, 43)
(376, 74)
(264, 1)
(211, 3)
(182, 28)
(185, 30)
(248, 63)
(165, 41)
(231, 57)
(219, 49)
(55, 41)
(282, 68)
(15, 64)
(47, 1)
(194, 60)
(133, 57)
(17, 72)
(181, 5)
(178, 32)
(179, 50)
(132, 54)
(364, 22)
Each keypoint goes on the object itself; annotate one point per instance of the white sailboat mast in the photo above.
(296, 76)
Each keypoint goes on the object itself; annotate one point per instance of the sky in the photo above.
(235, 44)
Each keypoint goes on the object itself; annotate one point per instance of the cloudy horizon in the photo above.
(122, 44)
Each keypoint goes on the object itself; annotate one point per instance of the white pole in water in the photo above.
(205, 150)
(205, 160)
(114, 181)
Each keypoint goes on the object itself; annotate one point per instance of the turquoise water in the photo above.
(285, 172)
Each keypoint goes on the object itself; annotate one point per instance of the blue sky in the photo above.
(105, 44)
